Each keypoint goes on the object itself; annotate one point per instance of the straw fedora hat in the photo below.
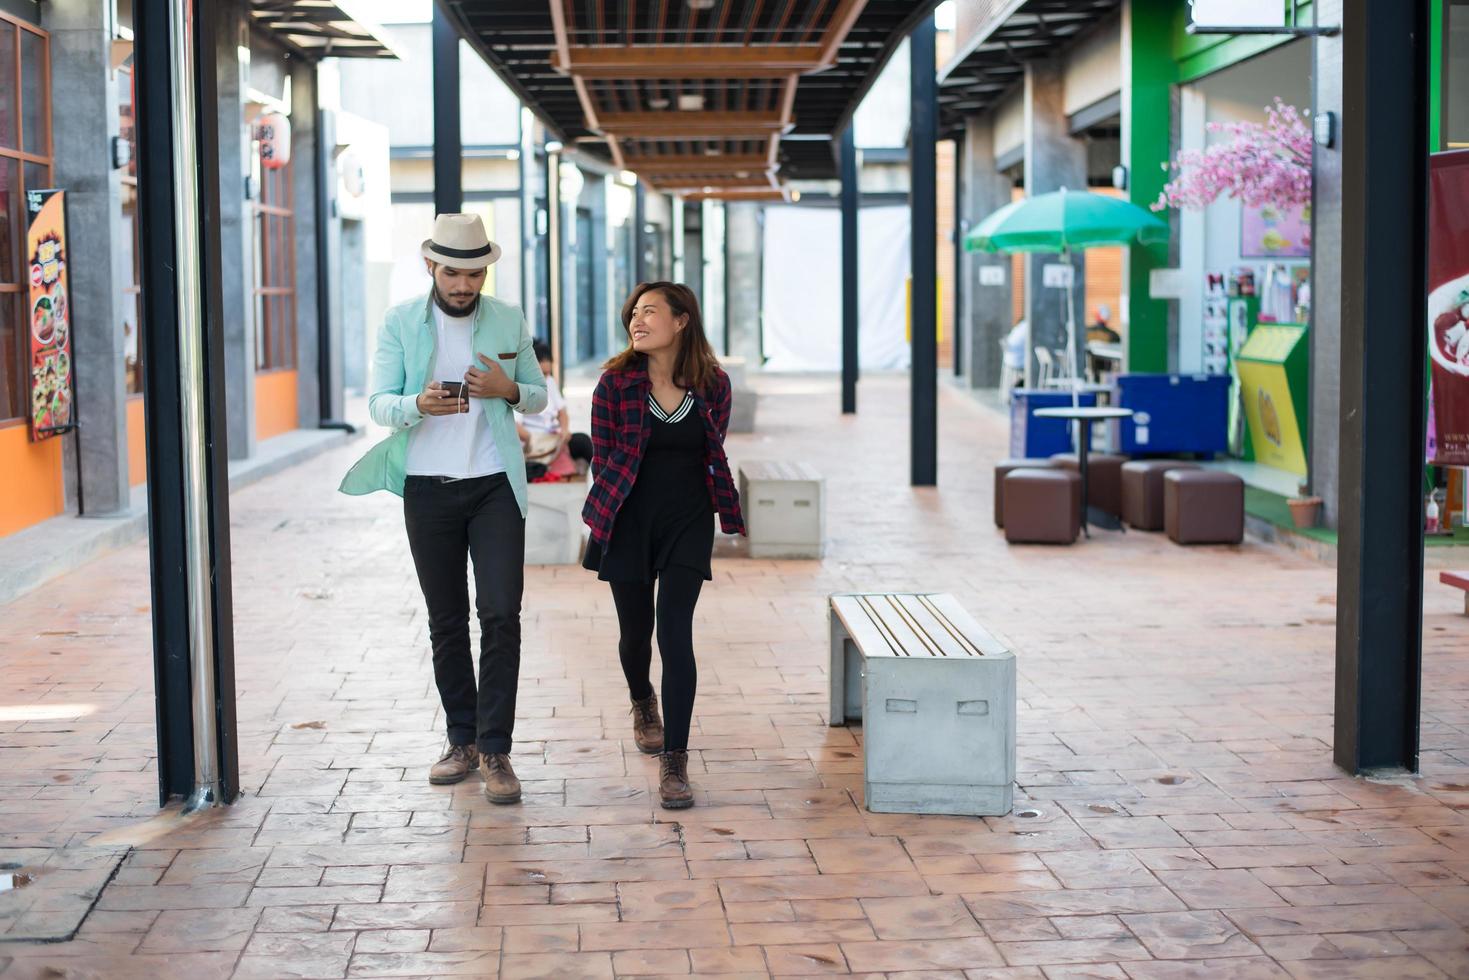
(460, 242)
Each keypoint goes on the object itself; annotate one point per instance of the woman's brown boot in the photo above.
(673, 781)
(647, 726)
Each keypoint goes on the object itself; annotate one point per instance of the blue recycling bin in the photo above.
(1174, 413)
(1033, 438)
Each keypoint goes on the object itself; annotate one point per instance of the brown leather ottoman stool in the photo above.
(1103, 479)
(1042, 506)
(1203, 507)
(1142, 491)
(1002, 468)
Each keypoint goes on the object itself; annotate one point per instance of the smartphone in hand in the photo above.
(455, 389)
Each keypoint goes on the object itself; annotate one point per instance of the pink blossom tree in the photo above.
(1263, 165)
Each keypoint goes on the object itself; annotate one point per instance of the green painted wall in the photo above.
(1201, 54)
(1164, 54)
(1435, 76)
(1149, 93)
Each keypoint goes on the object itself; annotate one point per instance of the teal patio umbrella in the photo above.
(1065, 221)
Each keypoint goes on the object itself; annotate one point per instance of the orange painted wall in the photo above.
(137, 441)
(31, 490)
(275, 403)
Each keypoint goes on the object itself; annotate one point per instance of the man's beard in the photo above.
(447, 305)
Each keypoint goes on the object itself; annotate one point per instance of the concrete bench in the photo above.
(936, 696)
(1457, 580)
(554, 533)
(785, 514)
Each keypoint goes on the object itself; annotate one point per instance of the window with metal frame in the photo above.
(25, 164)
(275, 272)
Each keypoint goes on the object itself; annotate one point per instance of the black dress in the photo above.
(667, 519)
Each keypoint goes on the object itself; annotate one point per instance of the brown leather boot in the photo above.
(501, 786)
(647, 726)
(457, 763)
(673, 781)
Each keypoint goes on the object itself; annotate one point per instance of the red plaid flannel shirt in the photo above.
(620, 430)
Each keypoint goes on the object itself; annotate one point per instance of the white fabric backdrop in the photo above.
(802, 302)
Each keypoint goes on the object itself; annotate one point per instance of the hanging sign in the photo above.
(1057, 275)
(1448, 306)
(1237, 13)
(49, 315)
(274, 133)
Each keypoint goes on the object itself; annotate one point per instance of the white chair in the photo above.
(1047, 365)
(1064, 368)
(1008, 375)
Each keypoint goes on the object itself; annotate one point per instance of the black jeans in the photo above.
(673, 613)
(448, 523)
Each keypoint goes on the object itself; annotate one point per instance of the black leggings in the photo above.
(673, 613)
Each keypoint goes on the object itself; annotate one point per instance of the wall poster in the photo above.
(49, 316)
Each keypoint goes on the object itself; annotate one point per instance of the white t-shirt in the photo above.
(547, 419)
(461, 445)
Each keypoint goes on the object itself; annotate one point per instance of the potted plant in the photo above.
(1305, 510)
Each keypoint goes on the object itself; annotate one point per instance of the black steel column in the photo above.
(448, 146)
(328, 255)
(1384, 143)
(956, 302)
(923, 201)
(183, 553)
(851, 194)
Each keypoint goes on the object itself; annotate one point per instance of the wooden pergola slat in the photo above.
(709, 61)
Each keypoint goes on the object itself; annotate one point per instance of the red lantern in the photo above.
(274, 133)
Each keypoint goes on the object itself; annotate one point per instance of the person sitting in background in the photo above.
(1014, 361)
(552, 450)
(1100, 332)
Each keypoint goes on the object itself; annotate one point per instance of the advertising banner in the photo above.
(49, 315)
(1448, 306)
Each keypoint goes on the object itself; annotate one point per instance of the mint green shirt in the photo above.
(400, 371)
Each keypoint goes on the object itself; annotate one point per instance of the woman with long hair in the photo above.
(659, 416)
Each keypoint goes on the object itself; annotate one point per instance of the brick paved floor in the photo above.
(1178, 813)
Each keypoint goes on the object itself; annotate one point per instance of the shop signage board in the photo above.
(1448, 306)
(48, 309)
(1268, 232)
(274, 133)
(1057, 275)
(1237, 13)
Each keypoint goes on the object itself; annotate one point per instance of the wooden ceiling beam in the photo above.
(723, 182)
(843, 19)
(693, 125)
(697, 61)
(757, 194)
(701, 164)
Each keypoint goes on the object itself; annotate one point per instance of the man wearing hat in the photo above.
(450, 368)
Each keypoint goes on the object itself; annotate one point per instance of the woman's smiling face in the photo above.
(653, 326)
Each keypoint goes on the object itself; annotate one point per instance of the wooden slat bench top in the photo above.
(1459, 580)
(898, 624)
(779, 470)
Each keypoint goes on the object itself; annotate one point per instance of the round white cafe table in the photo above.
(1084, 416)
